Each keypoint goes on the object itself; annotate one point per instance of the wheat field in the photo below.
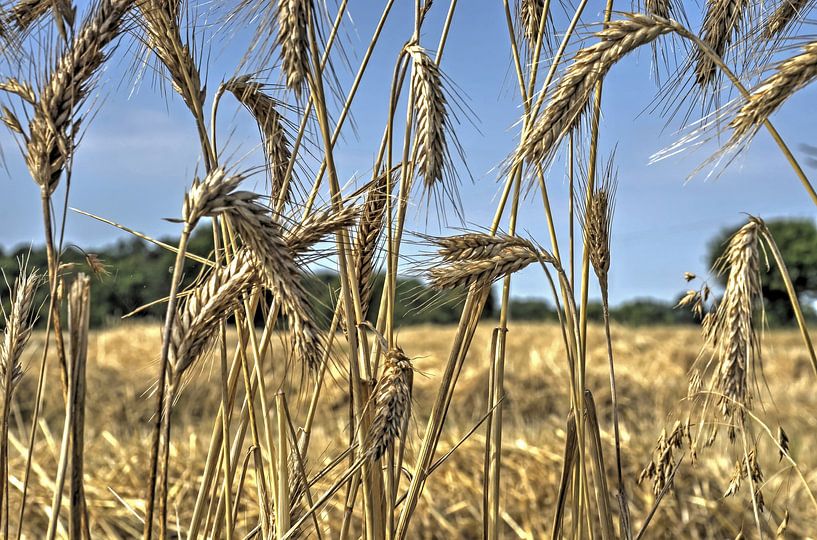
(245, 414)
(653, 360)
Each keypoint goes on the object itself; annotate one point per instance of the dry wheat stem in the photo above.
(570, 97)
(79, 312)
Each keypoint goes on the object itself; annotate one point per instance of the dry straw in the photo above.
(570, 96)
(52, 127)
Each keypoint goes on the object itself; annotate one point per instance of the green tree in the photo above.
(797, 240)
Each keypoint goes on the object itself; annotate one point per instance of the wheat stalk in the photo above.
(431, 117)
(52, 127)
(791, 75)
(392, 403)
(720, 27)
(276, 142)
(571, 94)
(79, 313)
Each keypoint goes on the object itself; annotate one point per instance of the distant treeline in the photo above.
(139, 273)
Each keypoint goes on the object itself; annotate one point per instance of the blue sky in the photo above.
(140, 152)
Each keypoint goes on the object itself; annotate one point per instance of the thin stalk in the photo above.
(160, 391)
(795, 303)
(351, 297)
(621, 495)
(283, 504)
(225, 425)
(344, 110)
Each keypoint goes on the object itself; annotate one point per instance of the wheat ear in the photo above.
(731, 330)
(266, 239)
(270, 122)
(782, 17)
(392, 403)
(430, 116)
(52, 127)
(570, 96)
(720, 27)
(791, 75)
(19, 322)
(318, 225)
(293, 18)
(208, 305)
(511, 257)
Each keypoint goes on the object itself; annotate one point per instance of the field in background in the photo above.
(651, 370)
